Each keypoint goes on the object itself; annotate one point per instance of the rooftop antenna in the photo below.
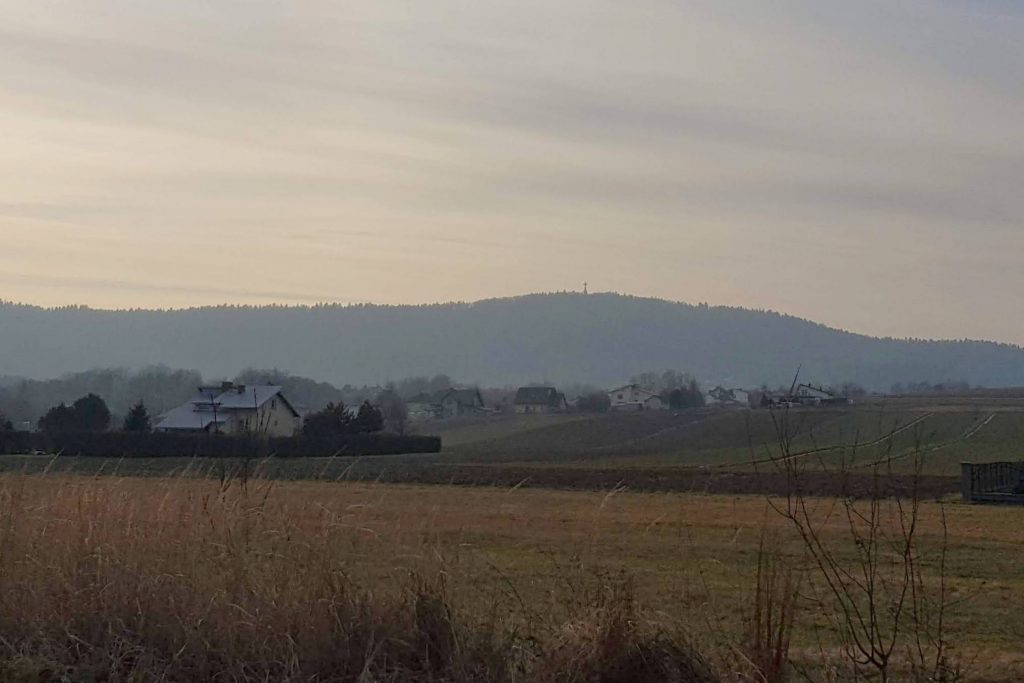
(585, 288)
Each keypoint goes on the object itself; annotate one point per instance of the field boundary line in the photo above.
(828, 449)
(971, 431)
(977, 428)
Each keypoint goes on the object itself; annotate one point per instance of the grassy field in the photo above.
(575, 548)
(702, 450)
(742, 440)
(181, 578)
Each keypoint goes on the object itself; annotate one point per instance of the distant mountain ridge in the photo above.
(561, 338)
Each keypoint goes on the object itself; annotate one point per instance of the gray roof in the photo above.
(633, 387)
(199, 411)
(241, 398)
(535, 396)
(186, 417)
(462, 397)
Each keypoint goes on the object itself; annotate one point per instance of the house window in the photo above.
(620, 397)
(273, 404)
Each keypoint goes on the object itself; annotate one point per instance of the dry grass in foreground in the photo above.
(182, 579)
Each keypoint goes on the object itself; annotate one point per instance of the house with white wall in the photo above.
(635, 397)
(539, 400)
(234, 409)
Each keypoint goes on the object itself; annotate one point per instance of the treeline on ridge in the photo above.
(160, 389)
(564, 338)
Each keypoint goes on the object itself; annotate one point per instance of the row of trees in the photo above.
(387, 409)
(337, 419)
(929, 388)
(91, 414)
(161, 389)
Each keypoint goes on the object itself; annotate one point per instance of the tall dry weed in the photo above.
(239, 579)
(772, 615)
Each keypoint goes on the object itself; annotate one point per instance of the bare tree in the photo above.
(393, 408)
(878, 600)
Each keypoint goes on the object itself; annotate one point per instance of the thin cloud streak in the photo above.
(400, 152)
(9, 279)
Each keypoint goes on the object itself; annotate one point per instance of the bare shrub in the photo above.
(612, 643)
(870, 585)
(772, 615)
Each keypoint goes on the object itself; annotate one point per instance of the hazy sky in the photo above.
(858, 163)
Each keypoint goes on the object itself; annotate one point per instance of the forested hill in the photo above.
(597, 338)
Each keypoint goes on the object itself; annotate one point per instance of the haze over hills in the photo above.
(562, 338)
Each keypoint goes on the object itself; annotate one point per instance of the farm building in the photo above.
(804, 395)
(422, 407)
(808, 395)
(445, 404)
(635, 397)
(722, 397)
(540, 400)
(459, 402)
(234, 409)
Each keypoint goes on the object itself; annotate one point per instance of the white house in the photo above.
(445, 404)
(234, 409)
(539, 400)
(720, 396)
(635, 397)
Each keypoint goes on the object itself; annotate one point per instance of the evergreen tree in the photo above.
(688, 395)
(58, 420)
(369, 418)
(333, 420)
(138, 420)
(87, 414)
(91, 414)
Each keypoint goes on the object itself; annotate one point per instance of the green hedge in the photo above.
(157, 445)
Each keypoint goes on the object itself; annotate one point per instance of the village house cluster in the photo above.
(231, 408)
(539, 400)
